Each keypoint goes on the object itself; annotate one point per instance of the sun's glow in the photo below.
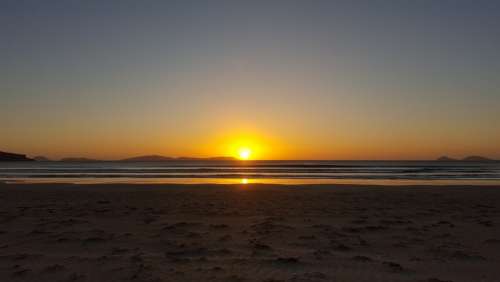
(244, 153)
(244, 181)
(242, 146)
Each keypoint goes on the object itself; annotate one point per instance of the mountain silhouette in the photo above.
(79, 160)
(148, 158)
(158, 158)
(446, 159)
(4, 156)
(41, 159)
(477, 159)
(466, 159)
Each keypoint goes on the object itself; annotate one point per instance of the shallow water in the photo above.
(243, 172)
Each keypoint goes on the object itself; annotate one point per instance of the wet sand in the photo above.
(58, 232)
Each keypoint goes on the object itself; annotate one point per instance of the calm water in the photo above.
(285, 172)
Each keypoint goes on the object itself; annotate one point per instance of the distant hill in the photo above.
(477, 159)
(223, 159)
(5, 157)
(157, 158)
(79, 160)
(204, 159)
(148, 158)
(466, 159)
(41, 159)
(446, 159)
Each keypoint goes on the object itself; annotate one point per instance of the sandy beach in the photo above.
(63, 232)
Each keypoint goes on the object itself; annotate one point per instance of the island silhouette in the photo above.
(6, 156)
(466, 159)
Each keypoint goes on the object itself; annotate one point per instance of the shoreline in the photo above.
(242, 186)
(245, 181)
(249, 232)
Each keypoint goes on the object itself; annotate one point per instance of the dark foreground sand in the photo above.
(249, 233)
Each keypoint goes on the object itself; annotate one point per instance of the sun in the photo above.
(244, 153)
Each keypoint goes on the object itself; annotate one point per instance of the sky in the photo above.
(287, 79)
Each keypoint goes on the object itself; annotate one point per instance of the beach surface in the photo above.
(65, 232)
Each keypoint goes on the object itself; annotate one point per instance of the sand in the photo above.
(248, 233)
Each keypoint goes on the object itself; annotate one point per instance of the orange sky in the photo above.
(329, 80)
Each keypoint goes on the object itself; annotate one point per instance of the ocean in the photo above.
(243, 172)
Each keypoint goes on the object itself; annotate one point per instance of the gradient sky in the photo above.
(291, 79)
